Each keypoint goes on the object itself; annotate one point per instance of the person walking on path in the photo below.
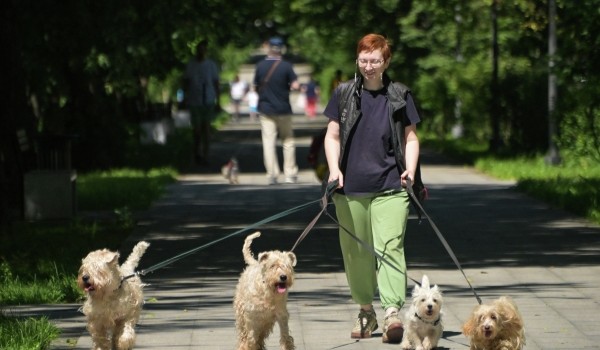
(273, 79)
(237, 91)
(371, 162)
(201, 80)
(312, 91)
(252, 98)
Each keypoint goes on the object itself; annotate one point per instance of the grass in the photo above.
(131, 188)
(26, 333)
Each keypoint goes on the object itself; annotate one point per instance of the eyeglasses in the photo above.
(374, 63)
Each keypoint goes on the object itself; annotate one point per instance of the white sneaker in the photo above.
(272, 181)
(291, 180)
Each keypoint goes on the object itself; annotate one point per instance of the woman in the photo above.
(371, 163)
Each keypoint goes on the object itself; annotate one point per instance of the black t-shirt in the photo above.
(371, 165)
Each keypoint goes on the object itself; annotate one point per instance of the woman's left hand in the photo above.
(404, 175)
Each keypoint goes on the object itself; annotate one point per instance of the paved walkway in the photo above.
(508, 244)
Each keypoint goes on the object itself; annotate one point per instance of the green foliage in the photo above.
(119, 188)
(579, 119)
(113, 64)
(26, 333)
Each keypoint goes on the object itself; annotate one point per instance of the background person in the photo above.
(252, 98)
(312, 91)
(201, 79)
(273, 79)
(237, 91)
(371, 202)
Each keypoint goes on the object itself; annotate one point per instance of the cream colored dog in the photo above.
(261, 297)
(112, 305)
(423, 328)
(496, 326)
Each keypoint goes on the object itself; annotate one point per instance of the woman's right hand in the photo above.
(336, 175)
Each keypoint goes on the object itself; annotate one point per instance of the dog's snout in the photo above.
(429, 307)
(85, 278)
(283, 278)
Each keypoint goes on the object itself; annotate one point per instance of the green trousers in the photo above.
(379, 221)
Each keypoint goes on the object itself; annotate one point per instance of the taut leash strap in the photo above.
(192, 251)
(331, 187)
(328, 191)
(440, 236)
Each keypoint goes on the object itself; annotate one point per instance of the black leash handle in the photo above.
(410, 191)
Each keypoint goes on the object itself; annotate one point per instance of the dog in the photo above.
(495, 326)
(113, 304)
(231, 171)
(261, 297)
(423, 328)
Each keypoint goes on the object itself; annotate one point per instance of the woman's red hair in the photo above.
(372, 42)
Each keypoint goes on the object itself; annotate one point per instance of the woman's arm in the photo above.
(332, 152)
(411, 153)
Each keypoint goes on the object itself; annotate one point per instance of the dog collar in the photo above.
(125, 278)
(435, 323)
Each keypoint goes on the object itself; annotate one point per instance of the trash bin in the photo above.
(50, 194)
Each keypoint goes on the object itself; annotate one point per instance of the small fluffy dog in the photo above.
(113, 305)
(496, 326)
(423, 328)
(231, 171)
(261, 297)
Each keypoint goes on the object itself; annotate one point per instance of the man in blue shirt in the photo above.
(274, 78)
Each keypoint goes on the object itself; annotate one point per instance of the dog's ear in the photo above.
(263, 256)
(112, 258)
(425, 282)
(511, 317)
(470, 326)
(292, 257)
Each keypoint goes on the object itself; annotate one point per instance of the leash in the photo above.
(440, 236)
(194, 250)
(331, 187)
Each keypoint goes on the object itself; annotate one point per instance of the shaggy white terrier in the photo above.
(113, 305)
(423, 328)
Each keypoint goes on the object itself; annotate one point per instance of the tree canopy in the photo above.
(94, 69)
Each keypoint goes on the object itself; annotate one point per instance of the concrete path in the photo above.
(507, 243)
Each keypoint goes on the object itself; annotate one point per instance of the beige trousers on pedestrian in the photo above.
(271, 127)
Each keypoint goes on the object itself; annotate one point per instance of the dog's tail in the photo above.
(248, 257)
(133, 259)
